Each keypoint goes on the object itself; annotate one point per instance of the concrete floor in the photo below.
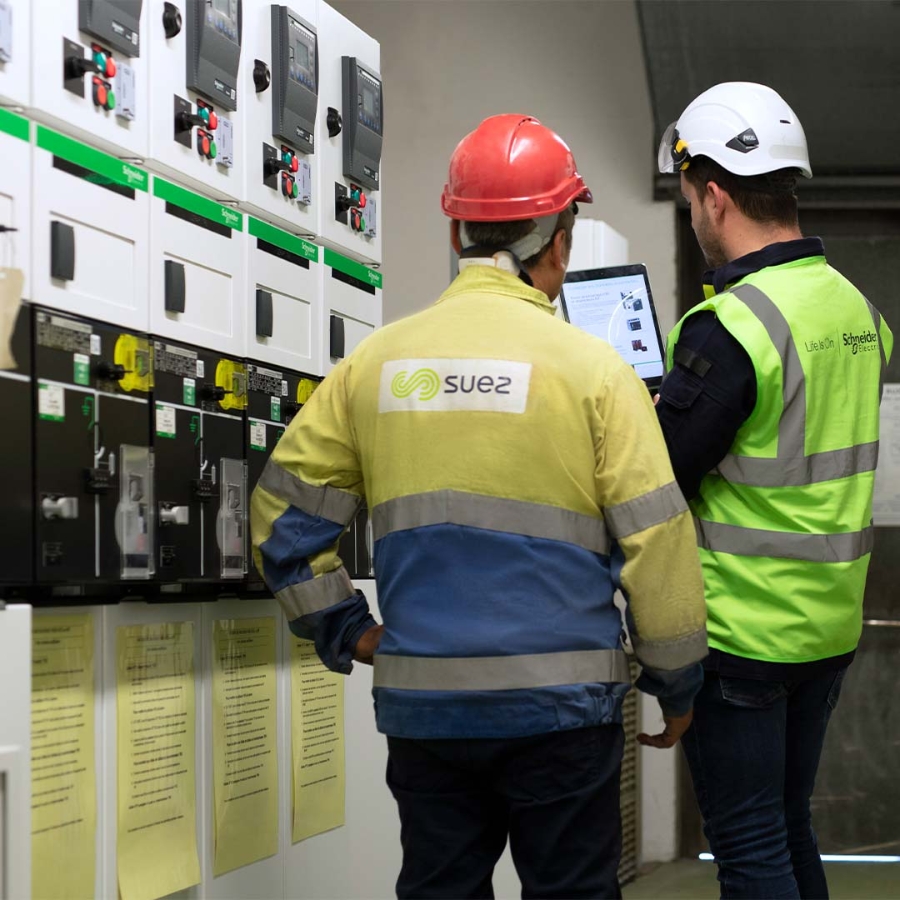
(697, 880)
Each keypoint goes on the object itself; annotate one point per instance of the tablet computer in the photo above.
(615, 304)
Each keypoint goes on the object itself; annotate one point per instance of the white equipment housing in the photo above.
(284, 303)
(86, 87)
(352, 305)
(15, 195)
(266, 190)
(340, 38)
(197, 268)
(90, 235)
(15, 33)
(176, 146)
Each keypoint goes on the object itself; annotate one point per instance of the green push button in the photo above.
(286, 156)
(213, 151)
(110, 100)
(295, 190)
(204, 114)
(362, 224)
(100, 59)
(354, 196)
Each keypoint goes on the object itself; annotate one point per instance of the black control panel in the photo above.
(214, 49)
(115, 22)
(363, 123)
(295, 89)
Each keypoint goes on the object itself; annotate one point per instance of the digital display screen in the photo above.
(223, 7)
(368, 98)
(619, 311)
(301, 55)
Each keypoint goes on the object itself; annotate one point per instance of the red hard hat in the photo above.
(511, 167)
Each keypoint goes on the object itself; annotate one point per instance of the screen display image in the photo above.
(223, 8)
(616, 305)
(301, 55)
(368, 100)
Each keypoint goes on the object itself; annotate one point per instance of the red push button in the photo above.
(100, 95)
(110, 68)
(286, 184)
(362, 200)
(213, 121)
(204, 145)
(295, 163)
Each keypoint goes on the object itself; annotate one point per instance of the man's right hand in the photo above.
(367, 645)
(676, 726)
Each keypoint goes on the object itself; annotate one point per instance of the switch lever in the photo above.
(78, 66)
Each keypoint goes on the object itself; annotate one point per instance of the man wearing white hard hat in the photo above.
(770, 411)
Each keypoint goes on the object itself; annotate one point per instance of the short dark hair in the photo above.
(495, 236)
(770, 198)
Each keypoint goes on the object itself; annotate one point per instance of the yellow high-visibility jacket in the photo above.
(515, 475)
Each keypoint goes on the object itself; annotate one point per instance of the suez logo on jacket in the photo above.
(454, 385)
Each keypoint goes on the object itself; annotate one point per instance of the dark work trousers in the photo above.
(554, 796)
(753, 751)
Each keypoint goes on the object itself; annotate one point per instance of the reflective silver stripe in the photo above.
(828, 548)
(328, 502)
(491, 513)
(645, 511)
(812, 469)
(791, 467)
(671, 655)
(876, 319)
(792, 425)
(501, 673)
(315, 595)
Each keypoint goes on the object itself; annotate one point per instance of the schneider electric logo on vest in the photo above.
(864, 342)
(454, 385)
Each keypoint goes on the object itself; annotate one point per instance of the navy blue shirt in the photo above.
(703, 402)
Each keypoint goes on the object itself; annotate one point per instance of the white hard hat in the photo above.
(746, 128)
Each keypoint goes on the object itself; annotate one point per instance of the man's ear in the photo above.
(455, 242)
(719, 199)
(559, 250)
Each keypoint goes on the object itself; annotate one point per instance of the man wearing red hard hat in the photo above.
(516, 476)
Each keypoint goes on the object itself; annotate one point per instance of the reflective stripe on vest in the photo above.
(316, 594)
(792, 467)
(501, 673)
(327, 502)
(826, 548)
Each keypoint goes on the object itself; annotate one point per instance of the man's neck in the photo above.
(750, 238)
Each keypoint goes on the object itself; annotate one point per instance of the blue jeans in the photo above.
(753, 751)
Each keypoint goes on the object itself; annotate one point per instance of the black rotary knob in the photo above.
(171, 20)
(262, 77)
(111, 371)
(213, 392)
(334, 121)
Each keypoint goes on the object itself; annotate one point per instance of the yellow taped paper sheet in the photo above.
(245, 750)
(157, 832)
(317, 743)
(63, 781)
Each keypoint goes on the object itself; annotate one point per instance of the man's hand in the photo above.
(367, 645)
(676, 726)
(656, 399)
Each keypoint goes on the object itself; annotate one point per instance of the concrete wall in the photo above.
(575, 64)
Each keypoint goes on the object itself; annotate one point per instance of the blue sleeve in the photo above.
(674, 690)
(336, 631)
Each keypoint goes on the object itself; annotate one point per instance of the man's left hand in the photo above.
(367, 645)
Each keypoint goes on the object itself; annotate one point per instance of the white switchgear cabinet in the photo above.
(195, 129)
(341, 39)
(15, 195)
(90, 238)
(279, 81)
(284, 301)
(15, 35)
(89, 74)
(197, 270)
(352, 306)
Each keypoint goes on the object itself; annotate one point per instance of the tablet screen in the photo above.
(615, 304)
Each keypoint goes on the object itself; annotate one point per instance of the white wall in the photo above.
(576, 65)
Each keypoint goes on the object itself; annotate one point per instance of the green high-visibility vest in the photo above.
(784, 522)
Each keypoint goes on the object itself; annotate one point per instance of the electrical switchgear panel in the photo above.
(295, 88)
(115, 22)
(214, 49)
(363, 123)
